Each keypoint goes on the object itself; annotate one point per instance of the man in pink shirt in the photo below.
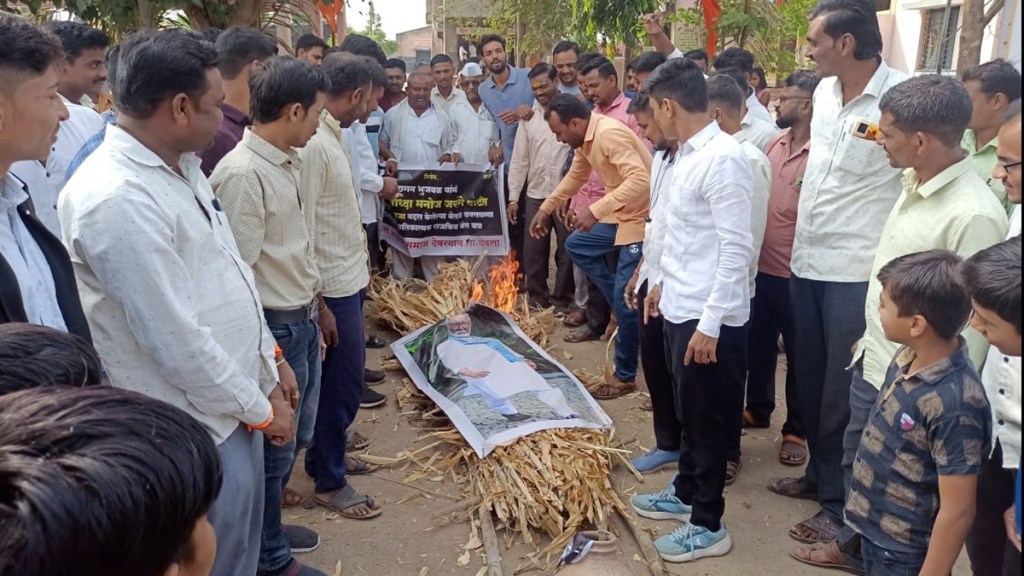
(772, 313)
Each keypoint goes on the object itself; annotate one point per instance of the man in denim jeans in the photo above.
(258, 185)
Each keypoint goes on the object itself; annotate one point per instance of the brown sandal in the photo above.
(824, 555)
(290, 498)
(793, 488)
(732, 471)
(817, 528)
(793, 451)
(612, 390)
(357, 467)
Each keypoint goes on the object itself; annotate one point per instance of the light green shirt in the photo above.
(984, 161)
(952, 211)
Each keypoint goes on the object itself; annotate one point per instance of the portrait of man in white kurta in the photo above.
(495, 372)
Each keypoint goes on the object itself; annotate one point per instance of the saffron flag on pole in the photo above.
(712, 10)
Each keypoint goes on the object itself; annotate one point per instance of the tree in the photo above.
(975, 19)
(375, 31)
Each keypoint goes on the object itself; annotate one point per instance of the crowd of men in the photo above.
(204, 247)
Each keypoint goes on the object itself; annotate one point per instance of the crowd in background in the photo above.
(196, 259)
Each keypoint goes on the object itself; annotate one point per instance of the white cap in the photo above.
(470, 70)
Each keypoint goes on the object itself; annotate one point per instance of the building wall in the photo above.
(412, 40)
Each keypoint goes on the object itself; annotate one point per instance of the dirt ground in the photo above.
(408, 539)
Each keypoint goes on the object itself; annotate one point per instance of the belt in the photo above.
(293, 316)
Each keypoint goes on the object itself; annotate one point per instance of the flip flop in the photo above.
(817, 528)
(357, 467)
(356, 442)
(824, 555)
(793, 488)
(347, 498)
(290, 498)
(793, 451)
(732, 471)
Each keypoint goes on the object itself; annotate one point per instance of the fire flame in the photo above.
(500, 290)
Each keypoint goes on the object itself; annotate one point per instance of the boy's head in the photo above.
(993, 281)
(32, 356)
(922, 297)
(104, 481)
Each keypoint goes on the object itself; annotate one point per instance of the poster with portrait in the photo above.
(447, 210)
(492, 381)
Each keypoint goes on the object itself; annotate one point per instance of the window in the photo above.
(937, 44)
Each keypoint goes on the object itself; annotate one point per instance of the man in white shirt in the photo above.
(742, 61)
(257, 184)
(848, 191)
(989, 550)
(476, 130)
(725, 106)
(175, 309)
(537, 161)
(444, 93)
(82, 70)
(703, 293)
(495, 372)
(667, 427)
(37, 283)
(417, 133)
(751, 128)
(331, 207)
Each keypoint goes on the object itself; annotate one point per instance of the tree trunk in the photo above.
(971, 33)
(146, 17)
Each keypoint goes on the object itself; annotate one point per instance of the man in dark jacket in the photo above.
(37, 284)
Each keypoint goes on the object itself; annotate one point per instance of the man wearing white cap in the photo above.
(476, 130)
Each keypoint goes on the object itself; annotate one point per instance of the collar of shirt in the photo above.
(12, 192)
(268, 151)
(235, 115)
(513, 77)
(138, 152)
(330, 124)
(970, 143)
(700, 139)
(455, 93)
(786, 141)
(935, 372)
(874, 87)
(620, 101)
(911, 183)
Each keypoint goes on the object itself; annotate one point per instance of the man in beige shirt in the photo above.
(615, 223)
(334, 221)
(537, 161)
(257, 184)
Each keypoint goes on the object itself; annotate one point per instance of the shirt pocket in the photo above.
(858, 155)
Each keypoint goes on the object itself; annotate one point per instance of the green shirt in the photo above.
(952, 211)
(984, 161)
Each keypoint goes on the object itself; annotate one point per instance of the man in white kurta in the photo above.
(494, 371)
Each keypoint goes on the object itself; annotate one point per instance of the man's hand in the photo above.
(651, 303)
(524, 112)
(496, 155)
(1010, 519)
(328, 325)
(467, 373)
(456, 158)
(584, 220)
(282, 430)
(390, 189)
(509, 117)
(653, 24)
(513, 212)
(541, 225)
(288, 385)
(581, 96)
(853, 349)
(323, 348)
(563, 214)
(630, 291)
(444, 159)
(702, 349)
(391, 168)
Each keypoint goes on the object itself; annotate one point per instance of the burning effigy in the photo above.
(499, 414)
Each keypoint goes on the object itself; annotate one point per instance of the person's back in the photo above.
(928, 430)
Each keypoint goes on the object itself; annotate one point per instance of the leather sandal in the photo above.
(611, 390)
(817, 528)
(793, 451)
(824, 555)
(793, 488)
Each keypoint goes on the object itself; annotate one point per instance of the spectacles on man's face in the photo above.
(1007, 166)
(785, 98)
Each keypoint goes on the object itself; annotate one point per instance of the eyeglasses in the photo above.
(1007, 166)
(788, 98)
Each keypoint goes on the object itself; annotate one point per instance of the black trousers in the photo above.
(537, 259)
(668, 431)
(771, 315)
(377, 257)
(709, 404)
(990, 551)
(517, 233)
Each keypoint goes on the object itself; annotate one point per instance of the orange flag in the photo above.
(712, 10)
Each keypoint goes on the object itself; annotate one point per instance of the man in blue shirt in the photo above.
(508, 96)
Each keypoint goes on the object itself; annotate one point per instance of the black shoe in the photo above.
(301, 539)
(373, 376)
(372, 399)
(516, 417)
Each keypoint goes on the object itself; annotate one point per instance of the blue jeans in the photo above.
(829, 322)
(881, 562)
(588, 251)
(300, 344)
(862, 399)
(237, 513)
(341, 389)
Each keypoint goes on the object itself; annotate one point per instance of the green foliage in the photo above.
(116, 17)
(772, 33)
(375, 31)
(617, 21)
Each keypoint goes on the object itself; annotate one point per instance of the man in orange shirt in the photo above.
(615, 223)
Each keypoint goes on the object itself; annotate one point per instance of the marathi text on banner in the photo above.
(447, 210)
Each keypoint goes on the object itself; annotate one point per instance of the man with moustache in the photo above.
(175, 308)
(564, 56)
